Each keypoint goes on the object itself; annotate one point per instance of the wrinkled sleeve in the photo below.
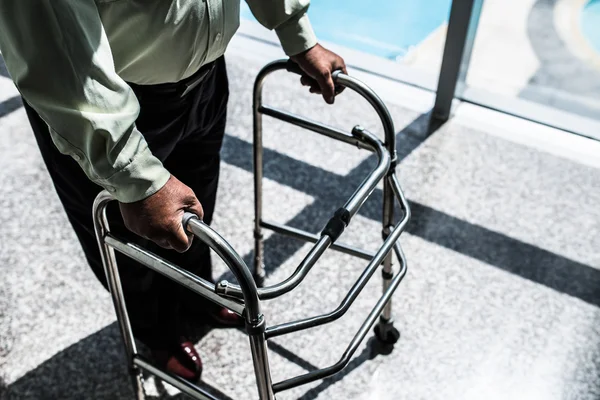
(58, 55)
(289, 20)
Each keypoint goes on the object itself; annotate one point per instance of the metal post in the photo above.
(255, 320)
(388, 220)
(138, 385)
(462, 27)
(259, 266)
(246, 289)
(358, 337)
(260, 358)
(351, 207)
(107, 255)
(385, 330)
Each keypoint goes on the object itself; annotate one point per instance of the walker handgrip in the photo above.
(292, 67)
(341, 80)
(192, 224)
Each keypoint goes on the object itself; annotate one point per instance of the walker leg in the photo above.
(258, 346)
(385, 330)
(116, 291)
(259, 266)
(138, 384)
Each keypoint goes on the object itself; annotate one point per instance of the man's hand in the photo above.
(318, 63)
(159, 216)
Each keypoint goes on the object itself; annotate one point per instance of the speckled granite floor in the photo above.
(500, 301)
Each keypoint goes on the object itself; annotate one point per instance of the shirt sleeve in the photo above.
(58, 55)
(289, 19)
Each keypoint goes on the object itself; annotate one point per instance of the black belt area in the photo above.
(179, 89)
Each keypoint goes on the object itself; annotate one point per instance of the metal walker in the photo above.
(245, 299)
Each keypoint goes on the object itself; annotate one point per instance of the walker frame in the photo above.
(245, 297)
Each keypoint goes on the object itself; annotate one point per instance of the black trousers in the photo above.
(185, 133)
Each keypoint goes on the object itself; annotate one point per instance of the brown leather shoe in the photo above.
(183, 361)
(225, 318)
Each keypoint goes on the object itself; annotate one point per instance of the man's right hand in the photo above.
(159, 217)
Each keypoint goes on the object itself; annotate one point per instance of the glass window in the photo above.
(543, 51)
(398, 33)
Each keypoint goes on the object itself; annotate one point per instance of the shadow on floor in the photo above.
(9, 105)
(330, 190)
(13, 103)
(93, 368)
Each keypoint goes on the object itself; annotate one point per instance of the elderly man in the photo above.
(131, 96)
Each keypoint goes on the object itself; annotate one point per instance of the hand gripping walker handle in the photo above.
(294, 68)
(192, 224)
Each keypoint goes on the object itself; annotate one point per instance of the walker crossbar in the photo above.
(328, 236)
(245, 297)
(312, 238)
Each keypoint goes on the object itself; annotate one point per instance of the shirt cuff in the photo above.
(296, 35)
(141, 178)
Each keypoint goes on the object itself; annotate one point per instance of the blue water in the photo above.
(387, 28)
(590, 23)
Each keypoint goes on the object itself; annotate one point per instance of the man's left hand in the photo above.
(318, 64)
